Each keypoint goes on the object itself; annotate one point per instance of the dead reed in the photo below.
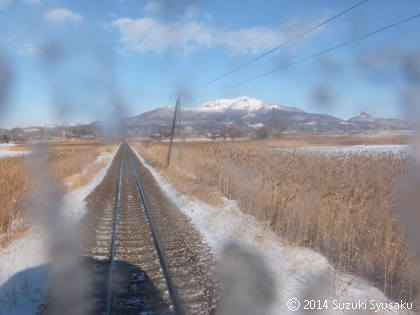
(341, 205)
(71, 164)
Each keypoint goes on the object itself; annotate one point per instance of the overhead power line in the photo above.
(298, 36)
(316, 54)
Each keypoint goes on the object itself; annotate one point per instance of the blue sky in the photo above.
(78, 61)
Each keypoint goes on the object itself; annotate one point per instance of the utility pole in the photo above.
(177, 106)
(180, 135)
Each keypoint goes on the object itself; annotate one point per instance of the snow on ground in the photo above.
(4, 153)
(74, 203)
(7, 154)
(392, 148)
(293, 268)
(198, 139)
(23, 273)
(7, 145)
(23, 265)
(202, 139)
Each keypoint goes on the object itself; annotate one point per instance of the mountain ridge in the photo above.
(245, 113)
(242, 113)
(240, 103)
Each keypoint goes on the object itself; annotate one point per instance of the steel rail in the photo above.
(173, 292)
(109, 298)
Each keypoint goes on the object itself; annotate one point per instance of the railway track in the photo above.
(146, 256)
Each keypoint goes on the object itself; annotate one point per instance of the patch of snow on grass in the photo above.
(7, 144)
(389, 148)
(73, 202)
(7, 154)
(294, 269)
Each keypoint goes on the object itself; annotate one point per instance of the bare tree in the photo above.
(276, 126)
(213, 134)
(235, 133)
(225, 133)
(261, 133)
(5, 138)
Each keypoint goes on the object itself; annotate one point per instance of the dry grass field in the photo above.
(343, 206)
(71, 163)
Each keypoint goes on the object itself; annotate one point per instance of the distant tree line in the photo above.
(274, 127)
(5, 138)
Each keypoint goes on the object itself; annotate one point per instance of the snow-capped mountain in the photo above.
(246, 113)
(366, 121)
(241, 103)
(362, 117)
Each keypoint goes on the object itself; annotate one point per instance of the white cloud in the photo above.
(63, 15)
(192, 12)
(152, 6)
(28, 49)
(181, 8)
(4, 3)
(149, 34)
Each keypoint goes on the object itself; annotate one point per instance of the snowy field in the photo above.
(391, 148)
(7, 145)
(293, 269)
(8, 154)
(202, 139)
(4, 153)
(24, 264)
